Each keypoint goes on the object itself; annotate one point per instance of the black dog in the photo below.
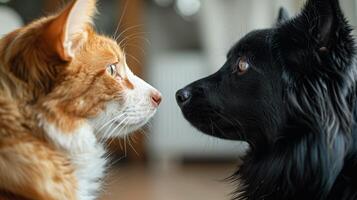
(290, 92)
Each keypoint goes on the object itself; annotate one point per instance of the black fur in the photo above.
(295, 106)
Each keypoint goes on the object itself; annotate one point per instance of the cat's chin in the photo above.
(130, 128)
(119, 129)
(119, 121)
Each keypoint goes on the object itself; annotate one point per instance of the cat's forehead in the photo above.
(106, 47)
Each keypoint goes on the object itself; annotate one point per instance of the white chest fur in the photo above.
(87, 156)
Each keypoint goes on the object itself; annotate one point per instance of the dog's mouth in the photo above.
(214, 124)
(206, 116)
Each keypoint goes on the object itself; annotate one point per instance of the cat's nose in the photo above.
(156, 98)
(183, 96)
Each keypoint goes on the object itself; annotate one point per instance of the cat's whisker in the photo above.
(134, 58)
(108, 129)
(140, 48)
(133, 36)
(125, 150)
(123, 43)
(110, 142)
(117, 126)
(128, 29)
(111, 120)
(120, 20)
(132, 147)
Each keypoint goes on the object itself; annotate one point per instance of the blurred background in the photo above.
(170, 43)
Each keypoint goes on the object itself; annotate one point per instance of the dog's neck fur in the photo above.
(86, 154)
(301, 171)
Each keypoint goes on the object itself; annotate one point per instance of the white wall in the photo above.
(223, 22)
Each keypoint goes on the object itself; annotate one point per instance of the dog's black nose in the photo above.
(183, 96)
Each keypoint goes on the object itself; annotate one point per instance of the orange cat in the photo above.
(63, 89)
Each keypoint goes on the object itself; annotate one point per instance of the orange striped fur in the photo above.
(64, 89)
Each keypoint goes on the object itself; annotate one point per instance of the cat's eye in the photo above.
(242, 66)
(112, 69)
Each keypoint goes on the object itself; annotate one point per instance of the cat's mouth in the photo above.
(114, 123)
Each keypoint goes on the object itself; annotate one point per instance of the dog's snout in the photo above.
(183, 96)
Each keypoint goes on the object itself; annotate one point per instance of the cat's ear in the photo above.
(69, 29)
(283, 16)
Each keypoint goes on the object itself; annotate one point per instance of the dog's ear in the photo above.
(320, 23)
(283, 16)
(323, 19)
(69, 29)
(318, 32)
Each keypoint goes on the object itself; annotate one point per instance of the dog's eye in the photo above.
(112, 69)
(242, 66)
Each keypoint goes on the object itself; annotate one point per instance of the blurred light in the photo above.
(4, 1)
(9, 20)
(188, 8)
(164, 3)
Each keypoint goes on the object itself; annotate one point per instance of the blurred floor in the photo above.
(187, 182)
